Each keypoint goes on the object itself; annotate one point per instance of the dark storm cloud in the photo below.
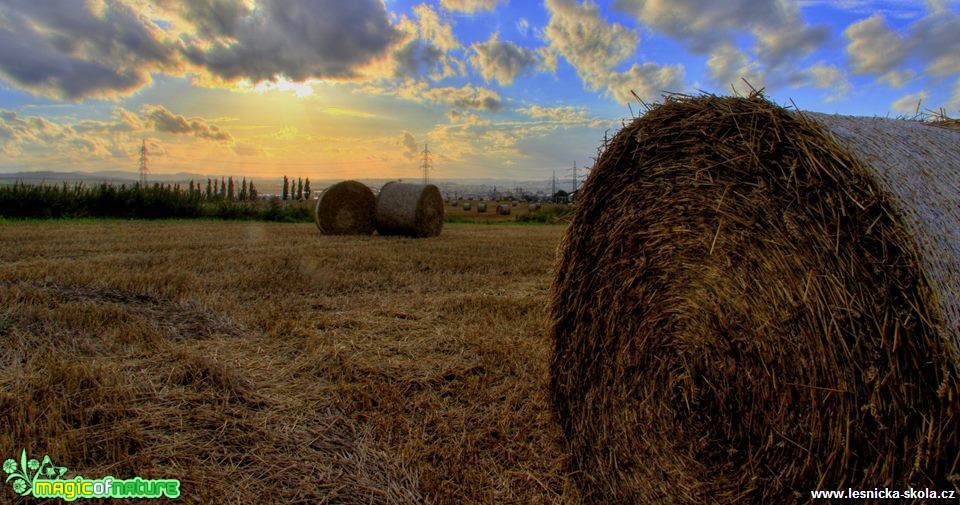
(63, 48)
(298, 39)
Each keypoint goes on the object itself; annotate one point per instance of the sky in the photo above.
(502, 89)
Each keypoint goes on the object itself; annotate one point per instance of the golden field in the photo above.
(265, 363)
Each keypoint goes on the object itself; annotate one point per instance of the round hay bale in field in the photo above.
(481, 207)
(466, 206)
(503, 209)
(753, 303)
(346, 208)
(533, 207)
(414, 210)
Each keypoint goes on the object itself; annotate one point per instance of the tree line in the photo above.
(223, 199)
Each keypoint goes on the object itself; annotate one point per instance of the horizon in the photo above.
(497, 90)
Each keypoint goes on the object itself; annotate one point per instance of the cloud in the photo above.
(585, 40)
(564, 114)
(297, 39)
(873, 47)
(464, 97)
(424, 45)
(780, 31)
(37, 136)
(470, 6)
(165, 121)
(954, 104)
(409, 145)
(75, 50)
(463, 117)
(523, 26)
(595, 48)
(648, 80)
(829, 77)
(728, 65)
(909, 104)
(502, 61)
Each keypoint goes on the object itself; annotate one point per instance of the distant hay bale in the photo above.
(453, 202)
(753, 303)
(503, 209)
(346, 208)
(466, 206)
(414, 210)
(533, 207)
(481, 207)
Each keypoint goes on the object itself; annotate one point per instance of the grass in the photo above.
(261, 362)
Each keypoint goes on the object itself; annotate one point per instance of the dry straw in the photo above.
(752, 303)
(503, 209)
(346, 208)
(414, 210)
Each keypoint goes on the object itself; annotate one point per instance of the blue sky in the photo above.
(498, 88)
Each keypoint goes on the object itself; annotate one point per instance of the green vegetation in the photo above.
(218, 201)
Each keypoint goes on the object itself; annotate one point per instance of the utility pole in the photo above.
(426, 163)
(574, 190)
(143, 163)
(553, 187)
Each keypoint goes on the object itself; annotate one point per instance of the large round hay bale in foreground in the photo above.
(413, 210)
(753, 303)
(346, 208)
(503, 209)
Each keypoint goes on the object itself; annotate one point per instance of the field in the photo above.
(263, 363)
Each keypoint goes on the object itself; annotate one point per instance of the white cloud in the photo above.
(781, 33)
(470, 6)
(563, 114)
(595, 48)
(830, 77)
(910, 104)
(502, 61)
(728, 65)
(873, 47)
(954, 104)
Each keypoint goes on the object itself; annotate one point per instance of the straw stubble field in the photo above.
(265, 363)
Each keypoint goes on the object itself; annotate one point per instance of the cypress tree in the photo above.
(306, 188)
(230, 193)
(253, 191)
(286, 188)
(209, 189)
(243, 190)
(299, 188)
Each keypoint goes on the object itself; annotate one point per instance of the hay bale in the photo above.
(414, 210)
(481, 207)
(503, 209)
(346, 208)
(533, 207)
(753, 303)
(466, 206)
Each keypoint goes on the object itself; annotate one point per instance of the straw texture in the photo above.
(413, 210)
(346, 208)
(753, 303)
